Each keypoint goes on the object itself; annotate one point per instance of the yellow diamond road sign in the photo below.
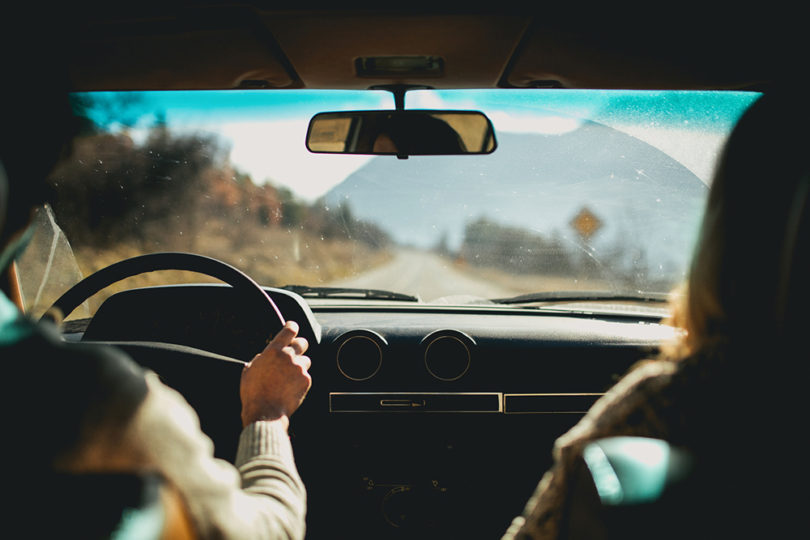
(586, 223)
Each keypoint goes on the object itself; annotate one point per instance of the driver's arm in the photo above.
(263, 496)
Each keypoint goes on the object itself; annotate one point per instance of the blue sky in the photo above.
(711, 110)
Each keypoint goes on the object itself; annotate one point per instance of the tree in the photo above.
(112, 188)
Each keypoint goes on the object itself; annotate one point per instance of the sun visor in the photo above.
(590, 58)
(194, 59)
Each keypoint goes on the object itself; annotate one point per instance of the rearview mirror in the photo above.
(401, 133)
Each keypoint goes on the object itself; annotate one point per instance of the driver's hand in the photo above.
(276, 381)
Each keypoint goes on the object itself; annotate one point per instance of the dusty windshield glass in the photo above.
(587, 191)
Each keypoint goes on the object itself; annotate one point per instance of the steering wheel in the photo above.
(259, 302)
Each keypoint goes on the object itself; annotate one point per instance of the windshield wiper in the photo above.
(582, 296)
(347, 292)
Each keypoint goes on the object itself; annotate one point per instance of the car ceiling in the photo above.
(226, 45)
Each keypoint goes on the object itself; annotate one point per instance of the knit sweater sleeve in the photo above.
(262, 496)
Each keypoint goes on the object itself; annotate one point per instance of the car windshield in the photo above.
(594, 195)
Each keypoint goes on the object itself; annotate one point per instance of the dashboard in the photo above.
(422, 421)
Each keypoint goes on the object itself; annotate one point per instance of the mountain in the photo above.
(643, 199)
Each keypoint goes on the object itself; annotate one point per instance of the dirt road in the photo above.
(426, 275)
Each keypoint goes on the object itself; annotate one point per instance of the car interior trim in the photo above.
(418, 402)
(557, 403)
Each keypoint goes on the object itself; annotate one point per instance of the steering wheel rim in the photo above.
(152, 262)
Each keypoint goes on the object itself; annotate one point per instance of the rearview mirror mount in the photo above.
(401, 133)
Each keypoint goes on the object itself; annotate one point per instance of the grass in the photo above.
(272, 256)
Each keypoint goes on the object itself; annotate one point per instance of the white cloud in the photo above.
(276, 151)
(533, 123)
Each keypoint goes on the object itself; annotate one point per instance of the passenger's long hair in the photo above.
(749, 275)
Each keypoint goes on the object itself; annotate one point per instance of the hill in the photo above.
(646, 204)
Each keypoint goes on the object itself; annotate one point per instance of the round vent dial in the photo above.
(359, 355)
(448, 354)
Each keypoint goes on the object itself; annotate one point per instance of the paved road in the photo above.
(426, 275)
